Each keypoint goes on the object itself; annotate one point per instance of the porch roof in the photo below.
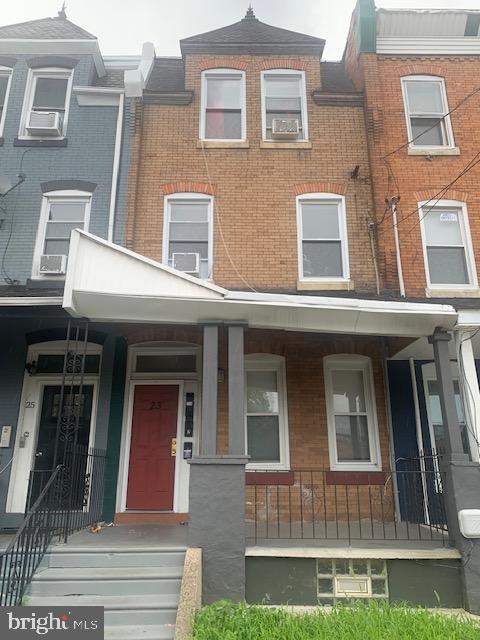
(106, 282)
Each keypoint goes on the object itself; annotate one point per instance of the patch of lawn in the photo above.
(369, 621)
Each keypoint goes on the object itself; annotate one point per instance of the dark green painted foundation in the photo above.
(427, 583)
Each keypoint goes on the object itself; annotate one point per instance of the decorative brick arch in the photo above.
(432, 194)
(424, 69)
(283, 63)
(223, 63)
(188, 187)
(320, 187)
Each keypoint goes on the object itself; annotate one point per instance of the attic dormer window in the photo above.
(284, 111)
(47, 98)
(223, 105)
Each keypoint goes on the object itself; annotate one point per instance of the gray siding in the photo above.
(87, 156)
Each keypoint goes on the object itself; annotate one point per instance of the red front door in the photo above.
(151, 474)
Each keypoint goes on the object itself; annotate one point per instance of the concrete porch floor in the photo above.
(140, 536)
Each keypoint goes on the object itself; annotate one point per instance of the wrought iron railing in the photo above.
(69, 499)
(325, 505)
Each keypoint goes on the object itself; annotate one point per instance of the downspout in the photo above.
(393, 206)
(116, 167)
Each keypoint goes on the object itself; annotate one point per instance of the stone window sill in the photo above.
(223, 144)
(419, 151)
(452, 293)
(267, 144)
(343, 285)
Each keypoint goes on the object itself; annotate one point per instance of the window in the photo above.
(322, 237)
(426, 110)
(187, 244)
(351, 415)
(266, 412)
(5, 80)
(62, 212)
(284, 98)
(47, 94)
(448, 255)
(223, 105)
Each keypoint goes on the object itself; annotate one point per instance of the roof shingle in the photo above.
(45, 29)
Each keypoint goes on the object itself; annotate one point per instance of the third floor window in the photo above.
(45, 109)
(5, 80)
(284, 105)
(223, 105)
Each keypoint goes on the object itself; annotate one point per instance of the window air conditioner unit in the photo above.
(53, 265)
(285, 128)
(44, 123)
(187, 262)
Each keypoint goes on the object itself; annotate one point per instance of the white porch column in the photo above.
(469, 387)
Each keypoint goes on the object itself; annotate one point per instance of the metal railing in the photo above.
(60, 502)
(321, 505)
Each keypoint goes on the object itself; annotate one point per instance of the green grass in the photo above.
(370, 621)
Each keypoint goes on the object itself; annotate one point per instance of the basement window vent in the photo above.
(343, 579)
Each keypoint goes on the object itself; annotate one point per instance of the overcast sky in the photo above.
(122, 25)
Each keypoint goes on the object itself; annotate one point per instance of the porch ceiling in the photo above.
(109, 283)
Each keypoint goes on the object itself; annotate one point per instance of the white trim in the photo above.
(98, 96)
(33, 75)
(449, 142)
(342, 225)
(166, 226)
(271, 362)
(232, 74)
(25, 301)
(303, 96)
(352, 362)
(47, 199)
(459, 45)
(29, 418)
(116, 168)
(467, 244)
(5, 71)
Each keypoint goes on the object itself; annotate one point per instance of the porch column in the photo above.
(468, 382)
(462, 477)
(236, 390)
(208, 442)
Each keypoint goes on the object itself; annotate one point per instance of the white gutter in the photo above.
(51, 301)
(116, 167)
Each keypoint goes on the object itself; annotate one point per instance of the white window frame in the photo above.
(232, 73)
(342, 224)
(33, 75)
(450, 144)
(348, 362)
(48, 198)
(284, 72)
(5, 71)
(166, 225)
(271, 362)
(467, 243)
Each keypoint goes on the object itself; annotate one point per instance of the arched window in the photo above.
(188, 233)
(351, 413)
(266, 417)
(426, 110)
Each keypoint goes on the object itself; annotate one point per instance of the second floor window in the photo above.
(449, 261)
(187, 237)
(5, 80)
(62, 212)
(322, 237)
(426, 109)
(223, 105)
(284, 105)
(46, 103)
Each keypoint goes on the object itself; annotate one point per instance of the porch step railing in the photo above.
(69, 499)
(326, 505)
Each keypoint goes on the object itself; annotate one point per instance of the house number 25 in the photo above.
(29, 404)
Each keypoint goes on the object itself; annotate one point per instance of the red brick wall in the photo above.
(417, 177)
(255, 188)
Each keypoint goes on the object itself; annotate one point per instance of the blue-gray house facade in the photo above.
(65, 134)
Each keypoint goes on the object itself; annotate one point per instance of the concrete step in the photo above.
(106, 581)
(82, 557)
(159, 609)
(140, 632)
